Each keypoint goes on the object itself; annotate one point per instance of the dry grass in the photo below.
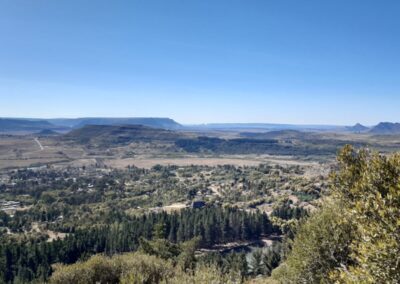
(174, 207)
(24, 151)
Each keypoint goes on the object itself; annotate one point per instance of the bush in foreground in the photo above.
(355, 237)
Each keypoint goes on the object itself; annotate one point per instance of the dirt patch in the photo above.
(215, 189)
(52, 236)
(174, 207)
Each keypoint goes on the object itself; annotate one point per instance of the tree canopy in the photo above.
(355, 236)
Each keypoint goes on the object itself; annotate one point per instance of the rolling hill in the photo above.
(104, 135)
(386, 128)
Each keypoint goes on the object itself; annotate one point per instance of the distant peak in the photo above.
(386, 128)
(358, 127)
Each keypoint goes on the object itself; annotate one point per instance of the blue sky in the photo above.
(282, 61)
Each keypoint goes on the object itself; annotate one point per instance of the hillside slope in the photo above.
(358, 128)
(119, 135)
(386, 128)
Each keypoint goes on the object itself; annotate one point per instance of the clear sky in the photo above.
(200, 61)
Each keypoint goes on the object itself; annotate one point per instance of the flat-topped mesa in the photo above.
(156, 122)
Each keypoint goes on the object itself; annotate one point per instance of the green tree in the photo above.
(187, 259)
(321, 244)
(159, 231)
(368, 185)
(256, 262)
(355, 237)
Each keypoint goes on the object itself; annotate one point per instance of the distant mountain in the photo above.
(358, 128)
(108, 135)
(164, 123)
(24, 125)
(262, 127)
(278, 134)
(386, 128)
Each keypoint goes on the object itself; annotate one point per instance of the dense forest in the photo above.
(28, 260)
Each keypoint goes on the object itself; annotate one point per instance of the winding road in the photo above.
(40, 144)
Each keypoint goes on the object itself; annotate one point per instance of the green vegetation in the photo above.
(160, 261)
(257, 146)
(355, 237)
(137, 268)
(64, 216)
(200, 224)
(31, 259)
(80, 197)
(106, 135)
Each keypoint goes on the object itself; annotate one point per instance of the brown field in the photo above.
(28, 151)
(25, 151)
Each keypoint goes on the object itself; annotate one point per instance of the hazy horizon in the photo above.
(194, 124)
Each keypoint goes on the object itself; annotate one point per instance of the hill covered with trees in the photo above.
(113, 135)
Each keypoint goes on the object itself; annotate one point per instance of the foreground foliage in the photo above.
(355, 237)
(369, 187)
(165, 263)
(320, 246)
